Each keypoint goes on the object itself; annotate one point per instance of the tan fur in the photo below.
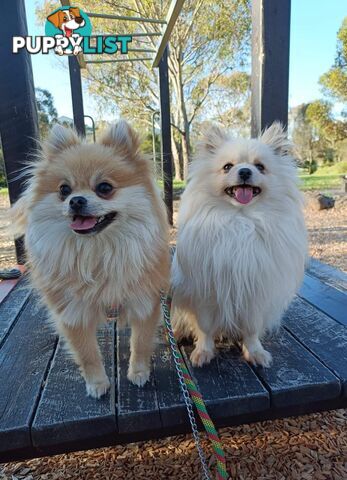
(81, 276)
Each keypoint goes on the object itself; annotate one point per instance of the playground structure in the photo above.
(43, 405)
(18, 116)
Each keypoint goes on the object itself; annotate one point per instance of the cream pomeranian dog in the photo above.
(241, 245)
(96, 236)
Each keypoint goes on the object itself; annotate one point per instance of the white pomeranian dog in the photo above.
(242, 243)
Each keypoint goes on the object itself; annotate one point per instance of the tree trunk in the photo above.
(182, 111)
(176, 159)
(186, 134)
(185, 153)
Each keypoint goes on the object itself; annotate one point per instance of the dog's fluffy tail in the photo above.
(182, 323)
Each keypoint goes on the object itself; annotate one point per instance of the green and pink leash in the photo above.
(192, 394)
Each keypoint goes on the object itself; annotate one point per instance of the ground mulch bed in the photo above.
(310, 447)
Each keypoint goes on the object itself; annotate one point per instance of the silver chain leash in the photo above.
(186, 396)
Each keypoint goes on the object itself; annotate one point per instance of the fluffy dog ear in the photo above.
(59, 139)
(276, 137)
(213, 137)
(122, 137)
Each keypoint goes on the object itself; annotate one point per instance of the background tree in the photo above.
(230, 102)
(334, 81)
(303, 137)
(331, 130)
(46, 110)
(210, 39)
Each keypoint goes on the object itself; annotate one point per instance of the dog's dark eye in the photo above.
(65, 19)
(65, 191)
(227, 167)
(260, 167)
(103, 189)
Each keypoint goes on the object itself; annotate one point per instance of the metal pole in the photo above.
(93, 126)
(270, 62)
(126, 18)
(119, 60)
(166, 132)
(77, 95)
(19, 128)
(154, 146)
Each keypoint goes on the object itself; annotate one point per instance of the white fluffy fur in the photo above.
(237, 267)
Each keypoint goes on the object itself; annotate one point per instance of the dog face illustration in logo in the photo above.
(67, 21)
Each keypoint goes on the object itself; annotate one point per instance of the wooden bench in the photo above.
(44, 408)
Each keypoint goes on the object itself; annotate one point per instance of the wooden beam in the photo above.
(166, 132)
(270, 63)
(19, 128)
(174, 10)
(77, 95)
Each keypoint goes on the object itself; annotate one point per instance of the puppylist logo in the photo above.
(68, 32)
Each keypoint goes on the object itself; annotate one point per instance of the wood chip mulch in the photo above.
(311, 447)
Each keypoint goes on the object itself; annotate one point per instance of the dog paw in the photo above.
(138, 375)
(97, 387)
(259, 356)
(201, 357)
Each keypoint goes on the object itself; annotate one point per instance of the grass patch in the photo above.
(317, 181)
(176, 183)
(3, 191)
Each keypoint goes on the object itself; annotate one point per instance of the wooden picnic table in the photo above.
(44, 409)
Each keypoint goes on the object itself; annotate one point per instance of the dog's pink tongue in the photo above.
(243, 194)
(83, 223)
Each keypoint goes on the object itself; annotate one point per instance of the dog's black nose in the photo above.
(77, 203)
(245, 174)
(79, 20)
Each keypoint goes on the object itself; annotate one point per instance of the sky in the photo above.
(314, 25)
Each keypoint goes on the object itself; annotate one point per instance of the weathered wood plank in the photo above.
(228, 385)
(65, 414)
(137, 408)
(322, 335)
(331, 301)
(296, 377)
(328, 274)
(12, 306)
(170, 399)
(24, 359)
